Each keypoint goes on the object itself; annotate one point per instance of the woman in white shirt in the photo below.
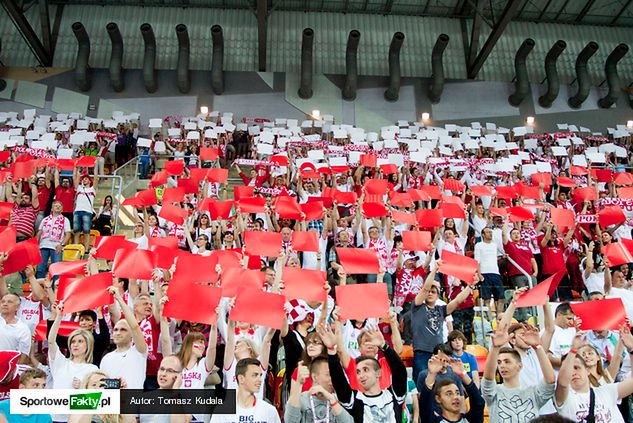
(69, 372)
(598, 375)
(575, 395)
(200, 246)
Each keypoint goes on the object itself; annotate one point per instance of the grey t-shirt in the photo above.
(516, 405)
(314, 410)
(427, 326)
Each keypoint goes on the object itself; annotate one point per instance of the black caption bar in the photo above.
(177, 401)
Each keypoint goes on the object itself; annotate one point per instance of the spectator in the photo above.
(492, 285)
(14, 334)
(65, 193)
(24, 212)
(83, 211)
(29, 379)
(53, 234)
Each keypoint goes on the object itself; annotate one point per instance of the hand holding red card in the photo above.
(181, 307)
(617, 253)
(234, 278)
(416, 240)
(260, 243)
(173, 214)
(134, 264)
(305, 241)
(71, 268)
(461, 267)
(539, 295)
(88, 293)
(611, 215)
(23, 254)
(304, 284)
(607, 314)
(362, 301)
(259, 308)
(107, 246)
(358, 261)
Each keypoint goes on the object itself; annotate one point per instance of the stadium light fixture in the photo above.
(204, 110)
(530, 120)
(629, 124)
(426, 116)
(316, 114)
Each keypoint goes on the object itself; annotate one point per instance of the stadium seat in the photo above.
(93, 234)
(480, 353)
(407, 355)
(73, 252)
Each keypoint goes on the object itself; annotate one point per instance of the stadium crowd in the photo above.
(419, 274)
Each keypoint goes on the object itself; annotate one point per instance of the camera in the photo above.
(111, 383)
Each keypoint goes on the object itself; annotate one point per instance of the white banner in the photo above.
(65, 401)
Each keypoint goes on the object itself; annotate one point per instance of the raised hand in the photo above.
(626, 337)
(531, 336)
(327, 335)
(303, 373)
(519, 292)
(435, 365)
(500, 338)
(376, 336)
(457, 366)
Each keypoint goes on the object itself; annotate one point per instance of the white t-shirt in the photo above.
(130, 365)
(53, 229)
(229, 381)
(561, 341)
(576, 406)
(64, 371)
(31, 312)
(261, 412)
(627, 299)
(15, 336)
(141, 241)
(310, 257)
(84, 199)
(194, 378)
(486, 255)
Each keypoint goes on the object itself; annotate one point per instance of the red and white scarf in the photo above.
(53, 228)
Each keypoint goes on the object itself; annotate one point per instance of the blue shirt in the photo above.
(18, 418)
(470, 363)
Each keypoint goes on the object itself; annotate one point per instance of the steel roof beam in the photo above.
(626, 6)
(262, 30)
(584, 11)
(26, 31)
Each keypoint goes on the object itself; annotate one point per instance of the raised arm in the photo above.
(420, 298)
(564, 373)
(128, 314)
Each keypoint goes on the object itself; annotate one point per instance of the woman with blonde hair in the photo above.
(95, 380)
(598, 375)
(68, 372)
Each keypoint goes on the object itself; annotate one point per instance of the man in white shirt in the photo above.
(248, 409)
(492, 285)
(564, 333)
(127, 361)
(615, 287)
(14, 334)
(53, 234)
(85, 194)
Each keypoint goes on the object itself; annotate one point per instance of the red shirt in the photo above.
(553, 260)
(43, 194)
(67, 198)
(522, 255)
(151, 332)
(23, 219)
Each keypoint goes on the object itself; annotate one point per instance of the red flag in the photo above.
(234, 278)
(305, 241)
(175, 167)
(86, 161)
(134, 264)
(416, 240)
(565, 182)
(362, 301)
(107, 246)
(240, 191)
(617, 253)
(452, 210)
(259, 243)
(481, 190)
(65, 329)
(358, 261)
(313, 210)
(71, 268)
(304, 284)
(368, 160)
(208, 154)
(218, 175)
(22, 254)
(252, 204)
(402, 217)
(287, 208)
(607, 314)
(173, 214)
(539, 295)
(7, 239)
(433, 191)
(374, 210)
(519, 214)
(181, 307)
(459, 266)
(259, 308)
(88, 293)
(221, 209)
(173, 195)
(611, 215)
(429, 218)
(563, 218)
(586, 193)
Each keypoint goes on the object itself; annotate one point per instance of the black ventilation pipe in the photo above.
(437, 69)
(149, 58)
(522, 83)
(182, 68)
(551, 74)
(3, 83)
(82, 78)
(393, 91)
(613, 80)
(351, 66)
(582, 75)
(116, 57)
(217, 75)
(305, 87)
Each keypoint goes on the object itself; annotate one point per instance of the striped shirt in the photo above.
(23, 218)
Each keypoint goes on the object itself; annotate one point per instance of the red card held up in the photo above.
(481, 190)
(539, 295)
(88, 293)
(134, 264)
(241, 191)
(345, 197)
(611, 215)
(577, 170)
(86, 161)
(305, 241)
(499, 211)
(259, 308)
(376, 186)
(623, 178)
(175, 167)
(252, 205)
(107, 246)
(459, 266)
(165, 257)
(368, 160)
(173, 214)
(402, 217)
(71, 268)
(180, 305)
(452, 210)
(280, 160)
(519, 214)
(586, 193)
(23, 169)
(389, 168)
(419, 195)
(173, 195)
(226, 258)
(287, 208)
(602, 175)
(625, 192)
(429, 218)
(313, 210)
(304, 284)
(65, 329)
(195, 268)
(433, 191)
(374, 210)
(218, 175)
(221, 209)
(416, 240)
(507, 192)
(357, 261)
(544, 178)
(617, 253)
(565, 182)
(454, 185)
(170, 242)
(5, 210)
(22, 254)
(563, 218)
(260, 243)
(362, 301)
(607, 314)
(208, 153)
(401, 199)
(190, 185)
